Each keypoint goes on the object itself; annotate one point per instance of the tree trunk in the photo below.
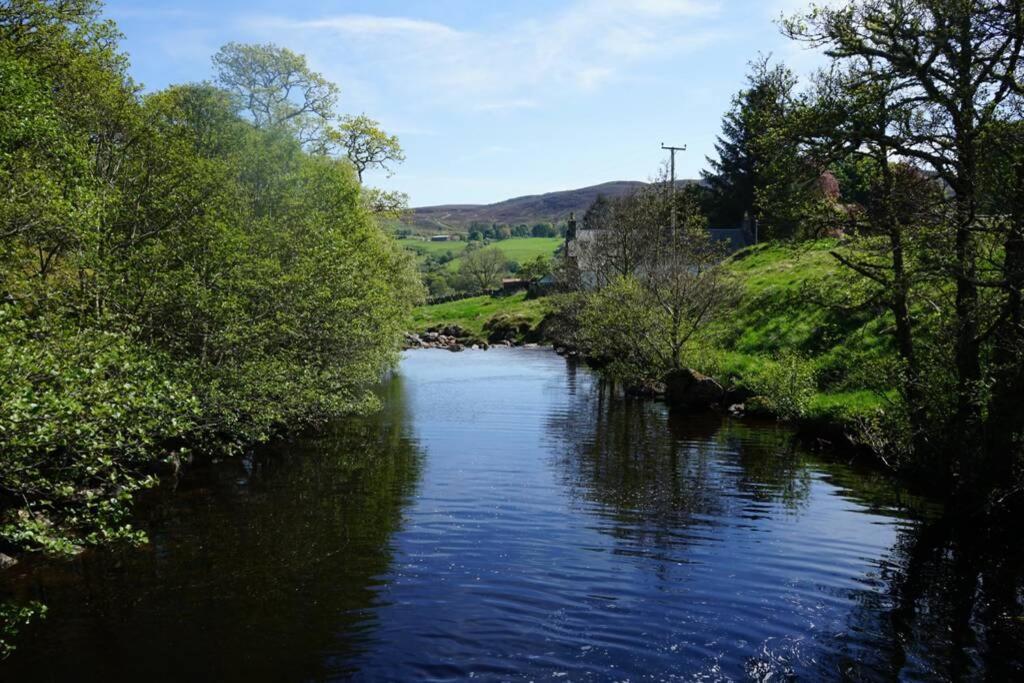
(1005, 420)
(966, 422)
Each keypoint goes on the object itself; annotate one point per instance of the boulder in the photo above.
(7, 561)
(456, 347)
(736, 395)
(455, 331)
(690, 390)
(646, 390)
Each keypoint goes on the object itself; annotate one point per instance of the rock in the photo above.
(456, 347)
(758, 406)
(737, 395)
(6, 561)
(690, 390)
(485, 346)
(647, 390)
(455, 331)
(475, 347)
(430, 336)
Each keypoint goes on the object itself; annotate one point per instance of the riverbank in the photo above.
(800, 344)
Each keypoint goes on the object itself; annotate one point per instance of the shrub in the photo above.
(786, 384)
(82, 412)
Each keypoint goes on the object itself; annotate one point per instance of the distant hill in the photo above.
(552, 207)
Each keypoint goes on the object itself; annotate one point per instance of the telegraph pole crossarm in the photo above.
(672, 183)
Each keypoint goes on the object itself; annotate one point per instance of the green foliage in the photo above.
(173, 272)
(365, 144)
(482, 269)
(536, 269)
(786, 385)
(12, 619)
(758, 171)
(82, 411)
(621, 324)
(274, 86)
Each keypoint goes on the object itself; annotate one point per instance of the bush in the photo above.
(82, 413)
(786, 385)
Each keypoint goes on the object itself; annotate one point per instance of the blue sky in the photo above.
(496, 99)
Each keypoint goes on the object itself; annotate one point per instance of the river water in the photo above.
(509, 516)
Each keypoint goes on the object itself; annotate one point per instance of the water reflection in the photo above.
(944, 600)
(261, 569)
(509, 516)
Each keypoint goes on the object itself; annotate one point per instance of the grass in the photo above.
(473, 313)
(519, 249)
(797, 299)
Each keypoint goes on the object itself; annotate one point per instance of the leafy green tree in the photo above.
(757, 174)
(535, 269)
(483, 268)
(173, 275)
(274, 86)
(644, 321)
(954, 73)
(365, 144)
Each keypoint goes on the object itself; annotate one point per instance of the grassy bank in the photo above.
(802, 332)
(471, 314)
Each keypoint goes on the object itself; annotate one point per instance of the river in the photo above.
(508, 516)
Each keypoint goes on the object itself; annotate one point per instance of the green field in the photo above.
(473, 313)
(519, 249)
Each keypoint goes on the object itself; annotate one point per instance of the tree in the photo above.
(954, 72)
(755, 171)
(622, 232)
(483, 268)
(598, 214)
(172, 274)
(544, 230)
(643, 322)
(365, 144)
(275, 87)
(535, 269)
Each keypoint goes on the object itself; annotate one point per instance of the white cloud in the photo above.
(361, 25)
(582, 48)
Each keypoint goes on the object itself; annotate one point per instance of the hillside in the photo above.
(551, 207)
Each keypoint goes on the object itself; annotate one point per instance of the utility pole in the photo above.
(672, 174)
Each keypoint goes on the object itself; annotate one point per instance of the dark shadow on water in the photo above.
(945, 601)
(262, 568)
